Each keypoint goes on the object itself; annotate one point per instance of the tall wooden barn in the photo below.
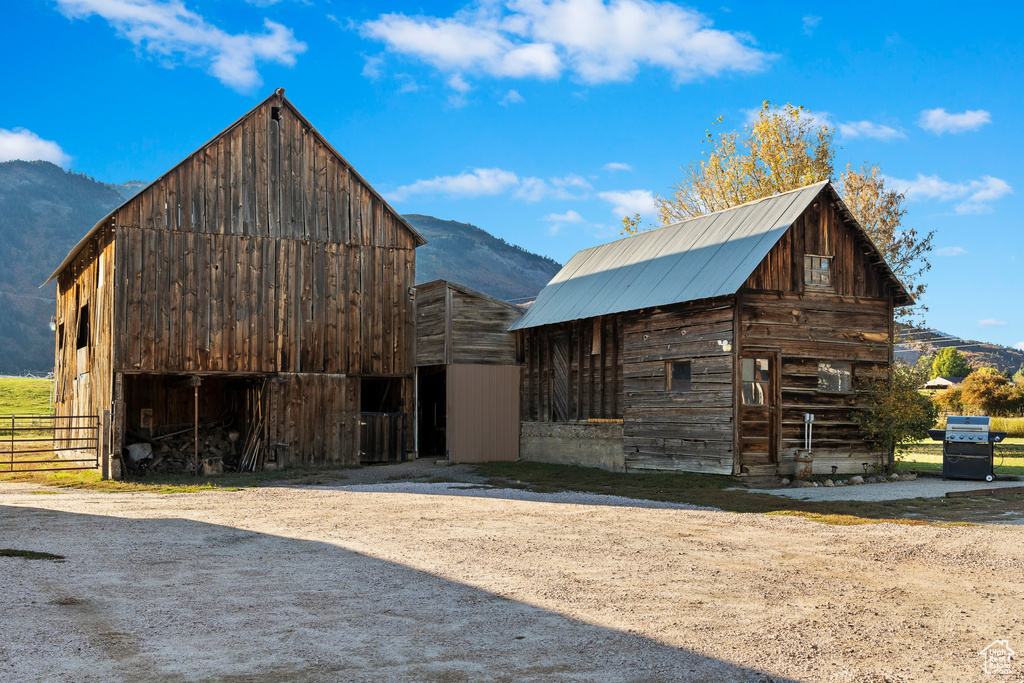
(700, 346)
(261, 282)
(467, 374)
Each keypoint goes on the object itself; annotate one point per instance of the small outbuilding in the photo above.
(701, 346)
(467, 374)
(943, 382)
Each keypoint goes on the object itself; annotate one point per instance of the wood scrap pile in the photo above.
(173, 453)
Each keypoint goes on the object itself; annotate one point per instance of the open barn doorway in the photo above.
(160, 424)
(382, 420)
(433, 410)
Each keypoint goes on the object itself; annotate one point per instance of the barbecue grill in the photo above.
(967, 446)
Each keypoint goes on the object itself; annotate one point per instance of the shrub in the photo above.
(896, 413)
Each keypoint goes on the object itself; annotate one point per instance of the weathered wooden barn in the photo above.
(264, 269)
(467, 374)
(700, 346)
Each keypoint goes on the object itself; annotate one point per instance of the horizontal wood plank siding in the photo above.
(808, 329)
(679, 431)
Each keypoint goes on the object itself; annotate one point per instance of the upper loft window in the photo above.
(82, 338)
(677, 376)
(818, 272)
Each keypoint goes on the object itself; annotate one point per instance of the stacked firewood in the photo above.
(174, 453)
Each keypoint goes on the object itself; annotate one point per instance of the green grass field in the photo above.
(23, 395)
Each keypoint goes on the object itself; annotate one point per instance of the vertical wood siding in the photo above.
(585, 384)
(83, 378)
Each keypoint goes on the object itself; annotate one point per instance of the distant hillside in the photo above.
(473, 257)
(44, 211)
(922, 341)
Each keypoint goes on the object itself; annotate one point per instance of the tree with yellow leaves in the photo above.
(782, 149)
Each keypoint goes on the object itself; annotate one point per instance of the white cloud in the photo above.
(950, 251)
(571, 186)
(991, 322)
(569, 216)
(597, 42)
(457, 83)
(975, 194)
(940, 121)
(629, 202)
(479, 182)
(511, 97)
(1019, 346)
(557, 219)
(810, 23)
(617, 166)
(866, 129)
(166, 30)
(25, 145)
(373, 68)
(493, 181)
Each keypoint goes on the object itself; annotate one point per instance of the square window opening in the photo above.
(835, 378)
(677, 376)
(818, 272)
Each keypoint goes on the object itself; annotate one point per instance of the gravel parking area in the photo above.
(402, 582)
(923, 487)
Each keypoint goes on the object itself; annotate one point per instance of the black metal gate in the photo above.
(51, 443)
(382, 437)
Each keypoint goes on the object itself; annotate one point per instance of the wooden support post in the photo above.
(104, 444)
(196, 381)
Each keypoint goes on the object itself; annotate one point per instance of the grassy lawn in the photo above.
(23, 395)
(176, 483)
(710, 490)
(926, 456)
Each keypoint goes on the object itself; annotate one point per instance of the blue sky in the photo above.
(544, 121)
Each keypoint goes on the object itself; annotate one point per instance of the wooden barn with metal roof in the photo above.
(261, 287)
(700, 346)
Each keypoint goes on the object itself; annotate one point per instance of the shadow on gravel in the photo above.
(177, 600)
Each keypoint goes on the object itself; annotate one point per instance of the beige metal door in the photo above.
(483, 412)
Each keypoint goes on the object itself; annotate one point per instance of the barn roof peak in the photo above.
(278, 94)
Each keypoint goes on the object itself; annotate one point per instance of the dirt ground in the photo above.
(375, 584)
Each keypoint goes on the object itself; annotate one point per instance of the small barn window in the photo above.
(677, 376)
(275, 113)
(818, 272)
(83, 328)
(835, 378)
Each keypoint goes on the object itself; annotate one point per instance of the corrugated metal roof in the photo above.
(698, 258)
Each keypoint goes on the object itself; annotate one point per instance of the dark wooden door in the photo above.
(759, 409)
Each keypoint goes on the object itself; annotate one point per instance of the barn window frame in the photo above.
(683, 383)
(82, 336)
(835, 377)
(818, 272)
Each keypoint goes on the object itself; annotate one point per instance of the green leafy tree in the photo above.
(950, 363)
(1018, 377)
(782, 149)
(896, 413)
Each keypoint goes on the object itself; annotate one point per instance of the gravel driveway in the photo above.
(392, 583)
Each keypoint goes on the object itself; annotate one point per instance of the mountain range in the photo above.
(45, 211)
